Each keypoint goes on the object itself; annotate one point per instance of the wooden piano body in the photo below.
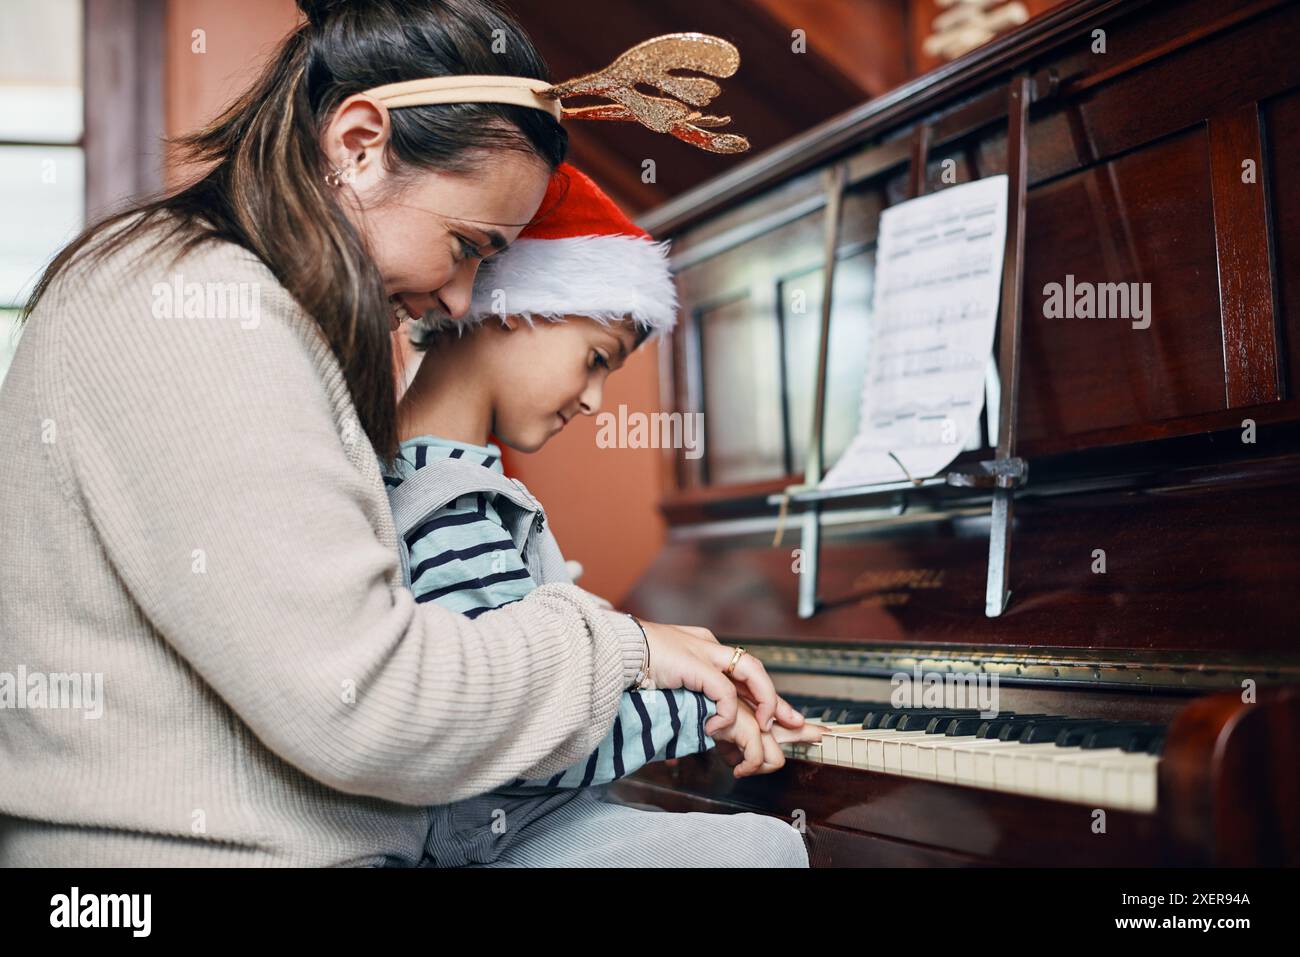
(1172, 452)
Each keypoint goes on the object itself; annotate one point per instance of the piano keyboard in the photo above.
(1081, 760)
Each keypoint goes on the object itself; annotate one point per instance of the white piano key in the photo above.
(916, 756)
(860, 750)
(866, 749)
(844, 744)
(1104, 777)
(1026, 769)
(832, 743)
(1115, 785)
(962, 765)
(1092, 782)
(1143, 785)
(1004, 764)
(926, 751)
(964, 770)
(1111, 780)
(892, 749)
(1079, 777)
(1128, 780)
(983, 758)
(945, 755)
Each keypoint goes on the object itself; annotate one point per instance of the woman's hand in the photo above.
(683, 656)
(751, 751)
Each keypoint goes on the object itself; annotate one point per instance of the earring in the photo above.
(340, 175)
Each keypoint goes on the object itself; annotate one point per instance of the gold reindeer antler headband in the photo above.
(647, 62)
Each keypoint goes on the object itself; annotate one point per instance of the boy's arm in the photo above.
(650, 726)
(463, 558)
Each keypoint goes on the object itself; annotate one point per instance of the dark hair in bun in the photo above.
(265, 188)
(317, 10)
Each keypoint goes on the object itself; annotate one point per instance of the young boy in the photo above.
(473, 540)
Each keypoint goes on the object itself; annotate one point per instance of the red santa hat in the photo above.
(582, 257)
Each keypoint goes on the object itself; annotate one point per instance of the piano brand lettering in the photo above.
(886, 599)
(57, 690)
(934, 689)
(655, 430)
(103, 910)
(900, 578)
(1098, 300)
(208, 300)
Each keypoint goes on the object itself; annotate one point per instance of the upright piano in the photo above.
(1122, 550)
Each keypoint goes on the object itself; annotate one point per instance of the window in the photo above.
(42, 160)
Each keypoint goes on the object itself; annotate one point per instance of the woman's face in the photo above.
(429, 233)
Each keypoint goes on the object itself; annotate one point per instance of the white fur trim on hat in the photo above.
(607, 278)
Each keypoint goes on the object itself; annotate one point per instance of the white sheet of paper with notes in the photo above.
(938, 276)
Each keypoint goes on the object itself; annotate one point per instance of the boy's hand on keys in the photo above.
(756, 751)
(810, 733)
(683, 656)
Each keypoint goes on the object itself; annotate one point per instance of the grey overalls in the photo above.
(541, 827)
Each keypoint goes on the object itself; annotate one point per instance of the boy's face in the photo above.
(544, 375)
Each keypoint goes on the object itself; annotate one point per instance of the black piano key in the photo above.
(822, 713)
(1048, 729)
(1072, 735)
(833, 710)
(872, 711)
(875, 716)
(849, 712)
(920, 720)
(1075, 735)
(1132, 736)
(1140, 739)
(1156, 745)
(1014, 730)
(881, 720)
(874, 707)
(994, 727)
(1043, 732)
(826, 708)
(898, 715)
(853, 712)
(961, 725)
(886, 718)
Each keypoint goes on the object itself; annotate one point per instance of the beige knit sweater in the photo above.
(161, 473)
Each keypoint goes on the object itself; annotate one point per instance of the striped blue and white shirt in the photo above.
(463, 558)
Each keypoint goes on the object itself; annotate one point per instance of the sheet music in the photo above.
(938, 276)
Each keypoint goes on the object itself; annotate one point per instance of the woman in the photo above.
(200, 396)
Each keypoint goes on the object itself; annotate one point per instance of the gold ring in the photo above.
(735, 657)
